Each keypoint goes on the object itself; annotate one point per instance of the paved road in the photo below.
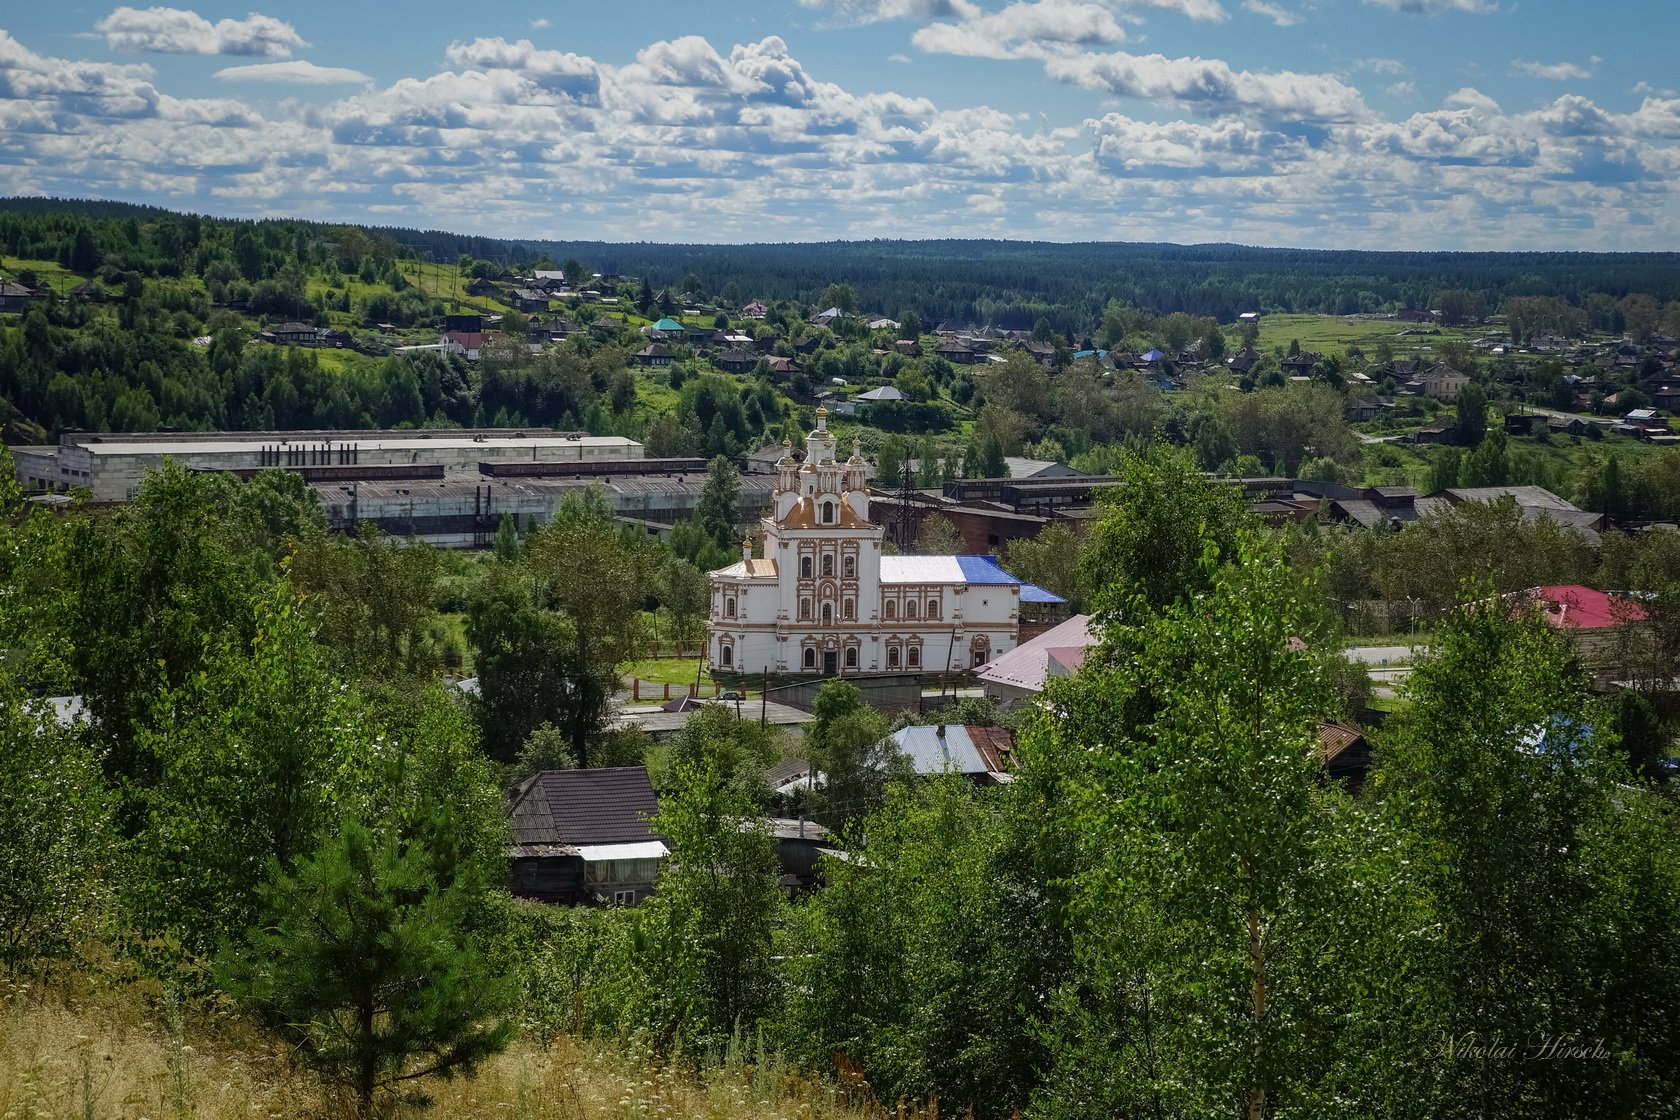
(1384, 655)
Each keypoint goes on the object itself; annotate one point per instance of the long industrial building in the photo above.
(111, 464)
(450, 487)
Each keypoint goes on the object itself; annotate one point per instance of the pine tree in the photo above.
(373, 960)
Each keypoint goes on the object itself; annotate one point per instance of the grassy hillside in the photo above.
(124, 1055)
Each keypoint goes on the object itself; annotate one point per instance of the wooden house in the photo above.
(585, 837)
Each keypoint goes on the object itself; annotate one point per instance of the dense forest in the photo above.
(1009, 284)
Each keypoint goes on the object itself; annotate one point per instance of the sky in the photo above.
(1371, 124)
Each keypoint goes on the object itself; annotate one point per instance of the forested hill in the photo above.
(1006, 283)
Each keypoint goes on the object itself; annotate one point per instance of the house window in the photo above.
(729, 607)
(892, 657)
(913, 657)
(847, 611)
(805, 610)
(849, 566)
(810, 658)
(828, 614)
(891, 609)
(910, 609)
(726, 655)
(624, 898)
(828, 565)
(933, 608)
(804, 567)
(851, 658)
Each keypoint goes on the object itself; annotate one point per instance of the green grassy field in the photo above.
(1385, 463)
(673, 671)
(1334, 334)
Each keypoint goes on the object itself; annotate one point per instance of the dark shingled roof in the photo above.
(612, 805)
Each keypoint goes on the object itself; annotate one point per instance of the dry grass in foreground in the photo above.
(101, 1058)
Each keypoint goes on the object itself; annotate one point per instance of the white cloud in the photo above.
(1213, 86)
(180, 31)
(1552, 71)
(554, 71)
(1401, 89)
(1472, 98)
(877, 11)
(1436, 7)
(1023, 30)
(539, 25)
(1202, 11)
(295, 72)
(730, 143)
(1282, 17)
(1389, 66)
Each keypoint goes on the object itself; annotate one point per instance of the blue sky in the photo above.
(1381, 124)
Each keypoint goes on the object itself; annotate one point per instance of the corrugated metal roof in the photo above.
(1028, 665)
(954, 748)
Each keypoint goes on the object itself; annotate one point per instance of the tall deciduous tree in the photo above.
(1147, 547)
(256, 755)
(374, 597)
(595, 578)
(1511, 815)
(708, 930)
(55, 834)
(1201, 909)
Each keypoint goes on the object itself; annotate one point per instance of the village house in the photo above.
(15, 297)
(979, 754)
(1441, 381)
(528, 300)
(823, 599)
(654, 354)
(306, 334)
(585, 837)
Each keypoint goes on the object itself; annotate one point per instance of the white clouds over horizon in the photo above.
(697, 138)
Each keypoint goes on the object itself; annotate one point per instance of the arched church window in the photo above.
(891, 609)
(851, 658)
(828, 565)
(910, 609)
(810, 658)
(804, 567)
(828, 614)
(849, 566)
(892, 657)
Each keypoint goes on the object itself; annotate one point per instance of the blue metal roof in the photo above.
(667, 325)
(984, 570)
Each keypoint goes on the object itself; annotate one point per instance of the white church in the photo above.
(824, 600)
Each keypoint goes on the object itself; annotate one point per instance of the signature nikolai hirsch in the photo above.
(1537, 1047)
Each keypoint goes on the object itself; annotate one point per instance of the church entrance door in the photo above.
(831, 662)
